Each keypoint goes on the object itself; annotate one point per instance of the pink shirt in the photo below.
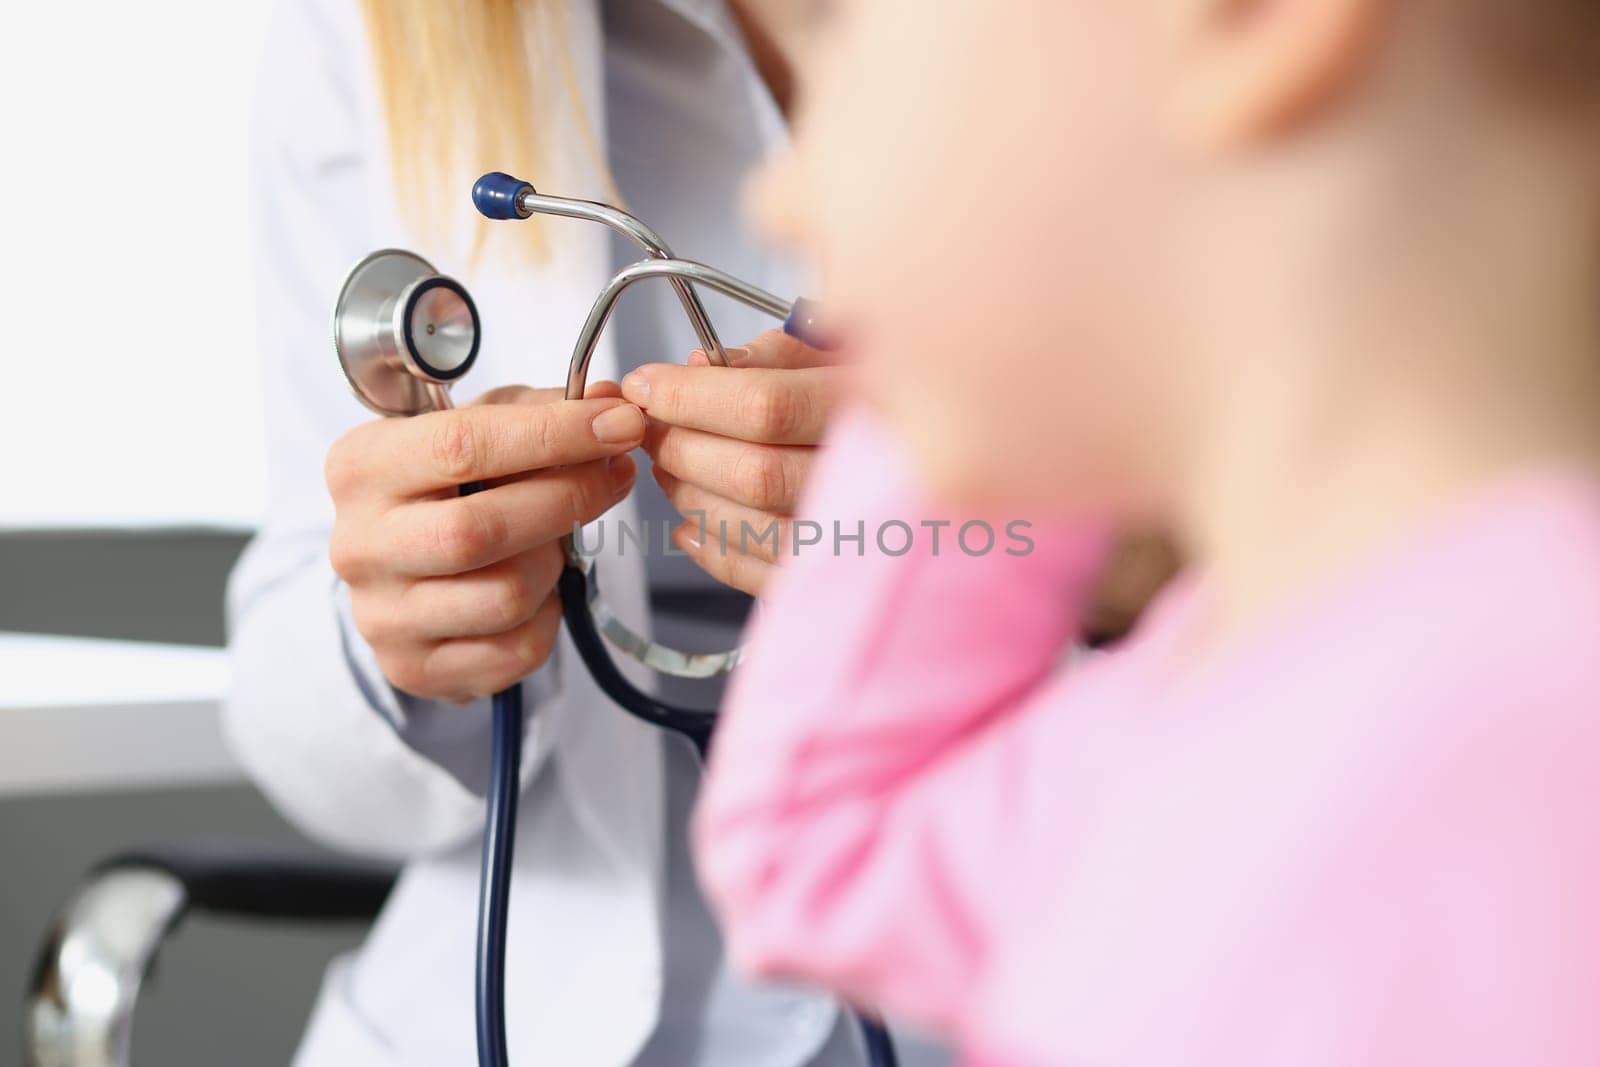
(1367, 836)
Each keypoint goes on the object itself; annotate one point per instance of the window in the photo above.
(128, 348)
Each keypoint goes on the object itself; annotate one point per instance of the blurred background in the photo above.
(131, 480)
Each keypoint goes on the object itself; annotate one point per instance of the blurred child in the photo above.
(1316, 285)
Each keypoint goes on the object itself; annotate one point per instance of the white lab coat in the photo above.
(310, 715)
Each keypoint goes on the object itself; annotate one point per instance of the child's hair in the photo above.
(1549, 46)
(1545, 50)
(1140, 565)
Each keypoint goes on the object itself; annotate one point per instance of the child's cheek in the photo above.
(948, 433)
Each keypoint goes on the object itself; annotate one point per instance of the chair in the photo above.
(100, 946)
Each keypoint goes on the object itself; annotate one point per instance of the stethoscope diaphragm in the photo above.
(403, 332)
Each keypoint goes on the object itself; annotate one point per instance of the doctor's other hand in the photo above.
(732, 446)
(456, 594)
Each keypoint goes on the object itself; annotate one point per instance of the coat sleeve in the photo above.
(310, 716)
(868, 776)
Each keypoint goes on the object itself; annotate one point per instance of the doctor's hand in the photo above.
(456, 594)
(732, 446)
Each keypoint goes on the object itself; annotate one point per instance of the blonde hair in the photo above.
(461, 96)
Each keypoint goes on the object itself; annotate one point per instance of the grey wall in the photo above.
(224, 991)
(158, 585)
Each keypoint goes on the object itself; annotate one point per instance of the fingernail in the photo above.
(620, 468)
(698, 358)
(690, 533)
(636, 387)
(617, 424)
(738, 357)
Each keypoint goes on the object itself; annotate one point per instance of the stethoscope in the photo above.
(404, 334)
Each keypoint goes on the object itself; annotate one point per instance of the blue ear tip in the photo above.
(495, 195)
(802, 324)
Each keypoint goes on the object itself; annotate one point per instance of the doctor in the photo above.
(374, 613)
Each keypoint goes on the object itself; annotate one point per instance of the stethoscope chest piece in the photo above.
(403, 332)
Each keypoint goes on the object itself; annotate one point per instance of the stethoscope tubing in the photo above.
(494, 876)
(688, 723)
(501, 196)
(698, 727)
(574, 584)
(494, 873)
(800, 320)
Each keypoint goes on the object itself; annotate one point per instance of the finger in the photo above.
(472, 667)
(746, 530)
(765, 477)
(491, 600)
(708, 546)
(766, 405)
(774, 349)
(522, 394)
(737, 357)
(778, 350)
(519, 394)
(462, 534)
(437, 452)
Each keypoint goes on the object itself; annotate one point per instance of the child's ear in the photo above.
(1248, 69)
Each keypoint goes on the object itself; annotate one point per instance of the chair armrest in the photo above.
(232, 878)
(101, 944)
